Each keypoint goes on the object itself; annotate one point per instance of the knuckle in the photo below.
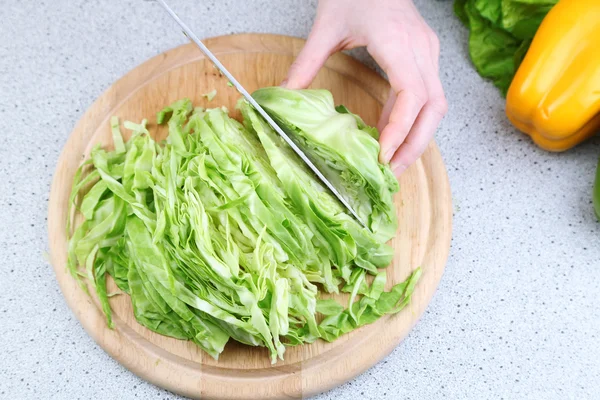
(439, 104)
(420, 94)
(394, 36)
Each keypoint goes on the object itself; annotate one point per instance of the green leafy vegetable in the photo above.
(326, 134)
(221, 233)
(210, 95)
(343, 238)
(500, 34)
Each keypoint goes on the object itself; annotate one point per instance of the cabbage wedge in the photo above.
(340, 141)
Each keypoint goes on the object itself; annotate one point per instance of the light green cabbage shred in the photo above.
(210, 95)
(221, 233)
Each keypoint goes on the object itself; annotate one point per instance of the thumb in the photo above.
(321, 43)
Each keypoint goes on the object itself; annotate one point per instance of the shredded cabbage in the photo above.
(222, 233)
(344, 148)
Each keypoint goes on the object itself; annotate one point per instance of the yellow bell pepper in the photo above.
(555, 94)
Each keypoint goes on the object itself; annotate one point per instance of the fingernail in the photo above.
(398, 168)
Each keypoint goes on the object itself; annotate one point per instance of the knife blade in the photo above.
(190, 34)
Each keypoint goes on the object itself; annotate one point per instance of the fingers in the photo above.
(417, 140)
(386, 111)
(429, 71)
(406, 99)
(434, 47)
(322, 41)
(402, 117)
(410, 118)
(421, 132)
(428, 63)
(423, 129)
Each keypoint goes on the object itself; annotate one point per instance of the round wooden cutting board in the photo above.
(244, 372)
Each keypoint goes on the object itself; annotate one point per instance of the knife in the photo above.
(190, 34)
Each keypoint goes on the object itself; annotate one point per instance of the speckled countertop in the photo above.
(516, 314)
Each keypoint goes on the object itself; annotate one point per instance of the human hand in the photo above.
(404, 46)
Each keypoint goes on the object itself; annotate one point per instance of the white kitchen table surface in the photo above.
(516, 314)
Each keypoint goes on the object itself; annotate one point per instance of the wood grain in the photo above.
(243, 372)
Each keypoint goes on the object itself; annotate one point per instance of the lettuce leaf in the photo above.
(500, 34)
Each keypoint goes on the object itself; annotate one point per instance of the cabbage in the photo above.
(220, 233)
(343, 238)
(343, 147)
